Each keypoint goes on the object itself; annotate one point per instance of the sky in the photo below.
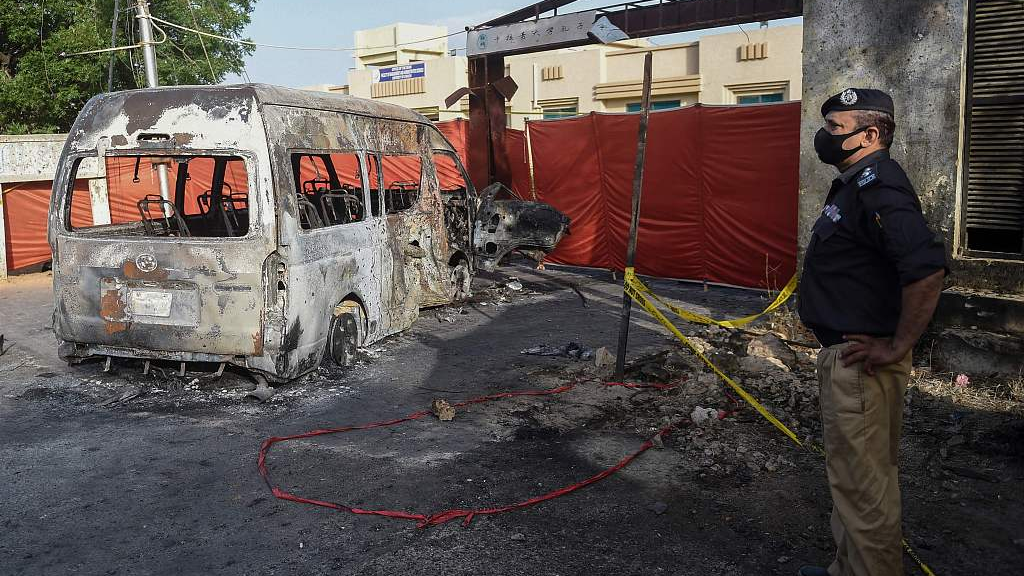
(324, 23)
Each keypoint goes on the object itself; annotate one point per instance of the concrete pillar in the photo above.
(911, 49)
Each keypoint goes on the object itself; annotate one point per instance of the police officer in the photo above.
(872, 276)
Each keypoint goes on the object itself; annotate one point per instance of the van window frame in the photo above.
(415, 206)
(381, 209)
(458, 164)
(76, 158)
(359, 154)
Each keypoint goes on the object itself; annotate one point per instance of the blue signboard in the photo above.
(401, 72)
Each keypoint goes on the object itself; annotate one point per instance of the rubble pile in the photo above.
(721, 434)
(501, 292)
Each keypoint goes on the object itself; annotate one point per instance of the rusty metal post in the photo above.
(500, 169)
(485, 152)
(478, 139)
(634, 224)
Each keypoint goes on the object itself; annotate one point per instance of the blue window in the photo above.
(760, 98)
(555, 113)
(659, 105)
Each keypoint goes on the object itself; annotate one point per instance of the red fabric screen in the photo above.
(346, 168)
(719, 195)
(26, 206)
(515, 146)
(455, 131)
(124, 194)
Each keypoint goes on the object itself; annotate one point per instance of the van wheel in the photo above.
(461, 281)
(343, 338)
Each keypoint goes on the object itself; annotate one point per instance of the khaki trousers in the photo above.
(862, 416)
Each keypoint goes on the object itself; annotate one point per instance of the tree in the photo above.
(43, 91)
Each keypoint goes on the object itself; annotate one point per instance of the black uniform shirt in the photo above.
(870, 241)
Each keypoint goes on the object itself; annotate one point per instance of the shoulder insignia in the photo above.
(867, 177)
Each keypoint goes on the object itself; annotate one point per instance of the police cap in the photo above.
(859, 99)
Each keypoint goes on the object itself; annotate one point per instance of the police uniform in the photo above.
(870, 240)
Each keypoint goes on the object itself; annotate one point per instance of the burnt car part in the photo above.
(510, 224)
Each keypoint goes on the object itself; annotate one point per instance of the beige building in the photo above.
(756, 66)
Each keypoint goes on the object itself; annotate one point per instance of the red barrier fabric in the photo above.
(346, 169)
(719, 193)
(455, 131)
(26, 205)
(719, 200)
(448, 175)
(123, 193)
(515, 146)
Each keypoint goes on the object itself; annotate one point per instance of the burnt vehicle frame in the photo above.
(273, 277)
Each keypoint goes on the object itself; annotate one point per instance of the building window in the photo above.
(432, 113)
(759, 98)
(659, 105)
(556, 113)
(992, 210)
(555, 108)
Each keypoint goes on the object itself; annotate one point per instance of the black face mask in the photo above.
(830, 146)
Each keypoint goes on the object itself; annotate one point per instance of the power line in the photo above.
(116, 48)
(213, 75)
(740, 26)
(305, 48)
(130, 19)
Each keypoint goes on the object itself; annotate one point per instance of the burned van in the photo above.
(264, 227)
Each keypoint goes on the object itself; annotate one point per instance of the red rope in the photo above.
(424, 520)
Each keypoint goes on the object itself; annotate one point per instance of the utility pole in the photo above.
(113, 42)
(149, 56)
(634, 224)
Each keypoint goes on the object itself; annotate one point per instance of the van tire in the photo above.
(343, 338)
(462, 280)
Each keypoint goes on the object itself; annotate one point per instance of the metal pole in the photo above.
(148, 51)
(529, 158)
(113, 42)
(638, 180)
(149, 55)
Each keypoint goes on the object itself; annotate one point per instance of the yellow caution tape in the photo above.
(634, 293)
(787, 291)
(638, 291)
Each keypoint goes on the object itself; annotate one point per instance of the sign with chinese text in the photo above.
(524, 36)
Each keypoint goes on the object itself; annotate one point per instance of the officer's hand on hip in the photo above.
(871, 351)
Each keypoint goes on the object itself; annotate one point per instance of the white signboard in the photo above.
(531, 34)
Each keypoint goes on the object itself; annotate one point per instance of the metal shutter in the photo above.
(995, 101)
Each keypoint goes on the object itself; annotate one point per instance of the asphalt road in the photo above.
(165, 482)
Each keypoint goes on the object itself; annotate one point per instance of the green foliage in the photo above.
(42, 91)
